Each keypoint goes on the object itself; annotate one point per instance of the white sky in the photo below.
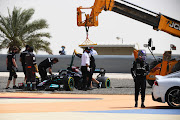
(61, 17)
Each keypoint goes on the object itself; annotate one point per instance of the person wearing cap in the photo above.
(12, 66)
(62, 52)
(31, 68)
(85, 63)
(93, 52)
(139, 71)
(22, 60)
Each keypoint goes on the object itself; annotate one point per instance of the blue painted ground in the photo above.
(142, 111)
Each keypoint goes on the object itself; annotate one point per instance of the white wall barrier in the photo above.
(111, 63)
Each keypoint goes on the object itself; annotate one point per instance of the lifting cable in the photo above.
(87, 30)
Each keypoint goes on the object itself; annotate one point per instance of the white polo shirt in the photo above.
(85, 59)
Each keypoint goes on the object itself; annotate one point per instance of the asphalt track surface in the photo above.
(118, 86)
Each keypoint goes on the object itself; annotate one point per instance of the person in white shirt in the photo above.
(93, 52)
(92, 69)
(85, 63)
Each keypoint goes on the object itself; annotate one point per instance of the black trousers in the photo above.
(24, 69)
(31, 76)
(85, 75)
(43, 73)
(140, 83)
(90, 76)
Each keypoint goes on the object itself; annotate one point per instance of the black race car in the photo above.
(57, 82)
(70, 78)
(54, 82)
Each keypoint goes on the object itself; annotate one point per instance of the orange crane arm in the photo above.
(92, 19)
(157, 21)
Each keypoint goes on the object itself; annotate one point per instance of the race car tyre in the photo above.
(68, 83)
(176, 67)
(150, 82)
(105, 82)
(173, 97)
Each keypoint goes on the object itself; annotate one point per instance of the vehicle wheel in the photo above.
(106, 83)
(150, 82)
(173, 97)
(176, 67)
(68, 83)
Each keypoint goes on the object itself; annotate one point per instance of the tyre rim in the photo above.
(174, 98)
(108, 83)
(71, 83)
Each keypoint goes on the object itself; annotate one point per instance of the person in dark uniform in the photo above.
(139, 71)
(31, 68)
(92, 69)
(22, 60)
(47, 63)
(12, 66)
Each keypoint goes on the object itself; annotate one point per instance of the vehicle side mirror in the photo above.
(150, 42)
(153, 48)
(173, 47)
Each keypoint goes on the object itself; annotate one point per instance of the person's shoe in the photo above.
(136, 104)
(79, 88)
(142, 105)
(14, 87)
(89, 88)
(34, 89)
(28, 87)
(99, 85)
(84, 88)
(7, 88)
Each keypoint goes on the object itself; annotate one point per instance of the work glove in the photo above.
(88, 69)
